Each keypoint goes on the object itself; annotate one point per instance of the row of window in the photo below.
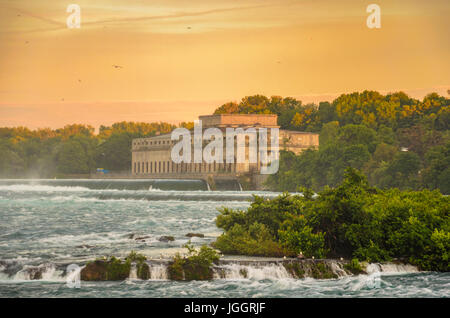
(168, 142)
(157, 142)
(170, 167)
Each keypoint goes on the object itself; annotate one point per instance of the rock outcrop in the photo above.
(166, 239)
(239, 269)
(195, 235)
(115, 269)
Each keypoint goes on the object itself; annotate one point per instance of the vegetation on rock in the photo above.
(115, 269)
(142, 268)
(295, 269)
(354, 267)
(321, 270)
(197, 265)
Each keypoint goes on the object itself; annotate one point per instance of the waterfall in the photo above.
(45, 272)
(227, 185)
(133, 272)
(158, 272)
(274, 270)
(338, 269)
(112, 184)
(373, 268)
(398, 268)
(226, 269)
(238, 271)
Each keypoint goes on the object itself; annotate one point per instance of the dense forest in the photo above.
(72, 150)
(397, 141)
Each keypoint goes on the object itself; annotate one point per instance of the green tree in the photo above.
(436, 175)
(115, 152)
(72, 158)
(403, 170)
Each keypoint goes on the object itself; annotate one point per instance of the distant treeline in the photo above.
(397, 141)
(72, 150)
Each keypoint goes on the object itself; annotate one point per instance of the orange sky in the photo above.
(184, 58)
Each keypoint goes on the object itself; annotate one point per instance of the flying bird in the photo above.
(117, 66)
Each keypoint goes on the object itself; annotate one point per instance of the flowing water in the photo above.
(47, 225)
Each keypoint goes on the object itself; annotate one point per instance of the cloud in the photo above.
(36, 16)
(178, 15)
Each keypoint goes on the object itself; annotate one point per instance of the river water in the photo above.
(49, 224)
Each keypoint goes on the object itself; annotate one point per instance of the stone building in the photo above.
(151, 157)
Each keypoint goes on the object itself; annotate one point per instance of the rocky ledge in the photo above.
(241, 268)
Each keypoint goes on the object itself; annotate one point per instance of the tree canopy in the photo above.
(72, 150)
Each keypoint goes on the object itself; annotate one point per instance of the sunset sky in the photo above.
(180, 59)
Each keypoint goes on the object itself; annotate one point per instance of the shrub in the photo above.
(256, 241)
(116, 269)
(196, 266)
(352, 220)
(298, 237)
(142, 268)
(354, 267)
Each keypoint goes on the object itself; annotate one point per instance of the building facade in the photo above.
(151, 157)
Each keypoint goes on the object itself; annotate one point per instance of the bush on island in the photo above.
(352, 220)
(197, 265)
(115, 269)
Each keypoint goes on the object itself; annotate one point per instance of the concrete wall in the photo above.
(237, 120)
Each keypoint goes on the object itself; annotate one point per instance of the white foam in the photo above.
(48, 273)
(391, 268)
(133, 272)
(40, 188)
(89, 239)
(237, 271)
(158, 272)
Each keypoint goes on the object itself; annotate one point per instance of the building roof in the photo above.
(240, 120)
